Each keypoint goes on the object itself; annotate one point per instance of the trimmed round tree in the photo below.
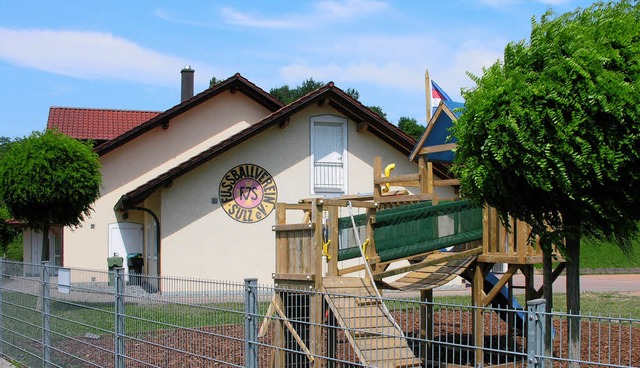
(49, 178)
(551, 135)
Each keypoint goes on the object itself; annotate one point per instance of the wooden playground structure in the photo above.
(433, 239)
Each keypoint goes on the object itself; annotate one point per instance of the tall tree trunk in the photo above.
(547, 294)
(45, 244)
(573, 297)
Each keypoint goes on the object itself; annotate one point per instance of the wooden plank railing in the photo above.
(512, 245)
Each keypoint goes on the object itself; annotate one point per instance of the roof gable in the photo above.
(329, 95)
(235, 84)
(95, 124)
(437, 132)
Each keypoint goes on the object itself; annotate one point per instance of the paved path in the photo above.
(595, 283)
(588, 283)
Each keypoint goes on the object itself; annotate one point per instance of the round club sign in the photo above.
(248, 193)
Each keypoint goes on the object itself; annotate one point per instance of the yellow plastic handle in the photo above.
(364, 249)
(387, 173)
(325, 250)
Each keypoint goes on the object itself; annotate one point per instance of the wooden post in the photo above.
(334, 238)
(279, 341)
(478, 316)
(377, 173)
(529, 282)
(281, 241)
(426, 327)
(316, 300)
(371, 248)
(424, 176)
(429, 178)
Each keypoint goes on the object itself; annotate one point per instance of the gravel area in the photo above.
(223, 346)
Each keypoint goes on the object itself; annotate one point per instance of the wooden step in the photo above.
(370, 329)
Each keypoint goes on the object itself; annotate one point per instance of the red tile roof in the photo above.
(95, 124)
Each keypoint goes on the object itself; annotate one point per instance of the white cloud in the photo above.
(238, 18)
(399, 63)
(322, 12)
(471, 57)
(162, 14)
(391, 74)
(349, 8)
(390, 61)
(88, 55)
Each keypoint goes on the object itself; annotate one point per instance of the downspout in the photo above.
(155, 218)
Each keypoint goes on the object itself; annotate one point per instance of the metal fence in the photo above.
(55, 317)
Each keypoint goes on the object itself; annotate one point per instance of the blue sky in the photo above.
(128, 54)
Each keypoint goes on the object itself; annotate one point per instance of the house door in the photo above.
(125, 238)
(328, 150)
(55, 250)
(151, 250)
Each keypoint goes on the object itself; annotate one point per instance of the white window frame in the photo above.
(328, 120)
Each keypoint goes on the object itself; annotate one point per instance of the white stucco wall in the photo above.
(201, 240)
(198, 238)
(147, 156)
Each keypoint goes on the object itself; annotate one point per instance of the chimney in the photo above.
(187, 83)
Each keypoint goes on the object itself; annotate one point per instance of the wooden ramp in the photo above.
(431, 277)
(373, 333)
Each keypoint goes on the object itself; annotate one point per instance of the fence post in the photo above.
(251, 323)
(535, 332)
(119, 322)
(46, 315)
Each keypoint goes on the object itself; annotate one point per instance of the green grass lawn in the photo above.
(608, 255)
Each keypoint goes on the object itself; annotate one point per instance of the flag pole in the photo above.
(428, 92)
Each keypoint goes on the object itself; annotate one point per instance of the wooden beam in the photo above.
(362, 126)
(405, 198)
(293, 332)
(396, 179)
(438, 148)
(284, 122)
(500, 284)
(446, 182)
(554, 276)
(293, 227)
(344, 203)
(348, 270)
(293, 276)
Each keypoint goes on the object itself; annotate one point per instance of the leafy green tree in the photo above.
(378, 111)
(411, 127)
(7, 233)
(551, 134)
(214, 81)
(49, 178)
(287, 95)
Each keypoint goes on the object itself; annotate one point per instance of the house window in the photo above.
(328, 154)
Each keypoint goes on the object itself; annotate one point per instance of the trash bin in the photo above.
(113, 263)
(135, 263)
